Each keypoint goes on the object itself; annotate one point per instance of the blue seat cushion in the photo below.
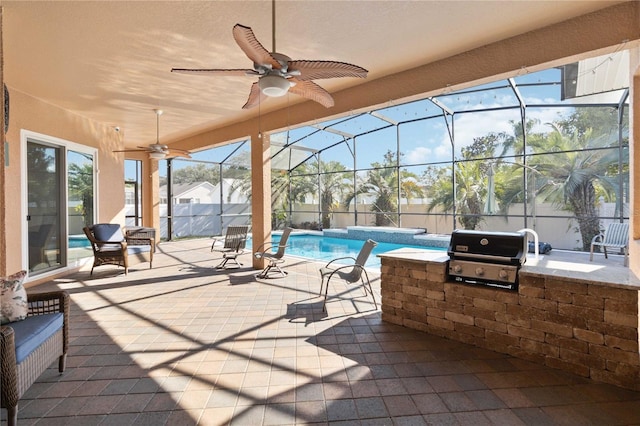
(108, 232)
(34, 331)
(138, 249)
(543, 248)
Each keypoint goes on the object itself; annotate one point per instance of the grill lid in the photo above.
(494, 247)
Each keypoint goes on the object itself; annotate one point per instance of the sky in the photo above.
(427, 141)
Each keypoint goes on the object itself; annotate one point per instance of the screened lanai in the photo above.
(544, 150)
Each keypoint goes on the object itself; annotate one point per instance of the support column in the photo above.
(151, 195)
(3, 168)
(260, 193)
(634, 159)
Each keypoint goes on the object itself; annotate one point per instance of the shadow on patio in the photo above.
(184, 343)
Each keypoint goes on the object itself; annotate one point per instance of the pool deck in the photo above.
(184, 343)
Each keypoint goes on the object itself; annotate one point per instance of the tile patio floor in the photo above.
(186, 344)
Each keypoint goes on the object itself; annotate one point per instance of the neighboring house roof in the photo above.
(179, 190)
(184, 190)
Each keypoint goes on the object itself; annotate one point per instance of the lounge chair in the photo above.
(351, 273)
(616, 237)
(233, 245)
(264, 252)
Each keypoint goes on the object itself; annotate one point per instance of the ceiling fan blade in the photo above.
(255, 97)
(310, 90)
(312, 70)
(203, 71)
(252, 48)
(173, 152)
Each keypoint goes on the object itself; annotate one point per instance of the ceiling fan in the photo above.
(278, 74)
(158, 151)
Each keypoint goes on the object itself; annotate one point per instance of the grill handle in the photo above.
(477, 256)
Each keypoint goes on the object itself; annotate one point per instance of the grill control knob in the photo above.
(457, 269)
(479, 271)
(503, 274)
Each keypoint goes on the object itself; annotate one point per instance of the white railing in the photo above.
(536, 247)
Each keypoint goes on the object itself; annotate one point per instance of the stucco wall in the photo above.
(31, 114)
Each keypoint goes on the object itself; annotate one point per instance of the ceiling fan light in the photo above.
(157, 155)
(274, 85)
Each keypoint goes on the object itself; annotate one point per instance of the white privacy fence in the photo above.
(205, 220)
(200, 220)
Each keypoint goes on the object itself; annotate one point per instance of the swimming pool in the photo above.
(78, 241)
(322, 248)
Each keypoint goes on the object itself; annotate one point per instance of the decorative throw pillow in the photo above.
(13, 298)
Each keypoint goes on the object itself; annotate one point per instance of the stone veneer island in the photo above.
(584, 322)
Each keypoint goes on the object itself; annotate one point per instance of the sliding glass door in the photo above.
(80, 202)
(45, 212)
(59, 203)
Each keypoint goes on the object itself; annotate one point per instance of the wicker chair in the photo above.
(111, 247)
(18, 376)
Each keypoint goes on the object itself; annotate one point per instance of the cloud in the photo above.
(418, 155)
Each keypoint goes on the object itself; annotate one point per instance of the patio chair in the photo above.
(351, 273)
(616, 236)
(275, 259)
(233, 245)
(111, 247)
(28, 347)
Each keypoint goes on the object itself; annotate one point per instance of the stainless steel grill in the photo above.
(487, 258)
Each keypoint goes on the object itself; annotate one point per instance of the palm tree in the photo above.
(382, 181)
(334, 182)
(81, 188)
(409, 186)
(573, 174)
(469, 194)
(471, 177)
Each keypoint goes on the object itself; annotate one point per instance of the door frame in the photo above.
(65, 146)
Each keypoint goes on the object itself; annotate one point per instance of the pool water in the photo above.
(78, 241)
(322, 248)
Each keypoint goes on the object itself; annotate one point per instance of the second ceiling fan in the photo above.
(277, 73)
(158, 151)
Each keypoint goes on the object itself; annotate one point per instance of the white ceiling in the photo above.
(110, 61)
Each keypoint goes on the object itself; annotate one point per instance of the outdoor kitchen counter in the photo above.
(567, 313)
(416, 255)
(607, 272)
(558, 264)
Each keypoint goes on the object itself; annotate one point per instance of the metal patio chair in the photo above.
(351, 273)
(233, 245)
(275, 259)
(616, 236)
